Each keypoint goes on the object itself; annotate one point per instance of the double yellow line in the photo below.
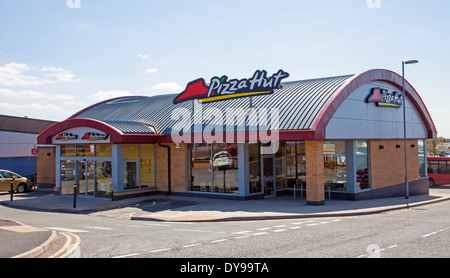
(67, 245)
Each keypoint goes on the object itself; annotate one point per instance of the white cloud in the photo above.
(59, 74)
(168, 86)
(151, 70)
(104, 95)
(12, 75)
(30, 94)
(142, 56)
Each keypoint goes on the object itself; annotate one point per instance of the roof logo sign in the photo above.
(222, 88)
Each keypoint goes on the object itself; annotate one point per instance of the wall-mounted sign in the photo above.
(66, 137)
(81, 135)
(222, 88)
(383, 97)
(93, 136)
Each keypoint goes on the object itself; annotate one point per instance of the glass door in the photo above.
(86, 175)
(268, 177)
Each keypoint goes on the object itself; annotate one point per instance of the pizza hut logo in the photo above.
(382, 97)
(93, 136)
(220, 88)
(66, 137)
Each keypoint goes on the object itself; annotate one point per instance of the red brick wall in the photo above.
(387, 165)
(314, 171)
(46, 166)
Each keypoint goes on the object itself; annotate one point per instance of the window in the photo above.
(200, 167)
(280, 166)
(225, 168)
(296, 164)
(86, 151)
(147, 165)
(139, 165)
(422, 159)
(68, 151)
(103, 150)
(213, 168)
(362, 168)
(254, 168)
(335, 165)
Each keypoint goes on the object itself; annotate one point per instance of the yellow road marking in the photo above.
(66, 245)
(75, 245)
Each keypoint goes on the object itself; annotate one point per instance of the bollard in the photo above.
(74, 195)
(12, 190)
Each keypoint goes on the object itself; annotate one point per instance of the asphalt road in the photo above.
(421, 232)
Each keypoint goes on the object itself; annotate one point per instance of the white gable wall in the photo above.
(357, 119)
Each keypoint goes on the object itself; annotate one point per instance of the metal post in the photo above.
(12, 190)
(75, 195)
(404, 131)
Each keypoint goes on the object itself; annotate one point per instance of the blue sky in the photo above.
(56, 60)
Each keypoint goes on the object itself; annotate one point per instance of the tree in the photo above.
(433, 145)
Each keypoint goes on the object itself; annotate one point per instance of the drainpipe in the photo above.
(168, 168)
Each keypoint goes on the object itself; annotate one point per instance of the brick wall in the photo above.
(46, 167)
(178, 168)
(315, 193)
(387, 165)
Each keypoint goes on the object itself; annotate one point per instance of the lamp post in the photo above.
(404, 123)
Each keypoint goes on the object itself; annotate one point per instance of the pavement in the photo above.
(188, 209)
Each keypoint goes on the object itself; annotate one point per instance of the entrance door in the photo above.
(268, 174)
(86, 175)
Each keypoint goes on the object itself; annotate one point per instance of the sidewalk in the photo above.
(182, 208)
(193, 209)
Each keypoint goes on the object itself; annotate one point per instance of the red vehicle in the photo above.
(438, 170)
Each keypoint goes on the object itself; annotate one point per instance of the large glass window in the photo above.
(362, 162)
(68, 176)
(200, 167)
(103, 179)
(139, 165)
(147, 165)
(213, 168)
(254, 168)
(335, 165)
(296, 164)
(225, 167)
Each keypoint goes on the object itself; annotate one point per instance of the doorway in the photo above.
(86, 175)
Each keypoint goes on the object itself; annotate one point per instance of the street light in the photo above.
(409, 62)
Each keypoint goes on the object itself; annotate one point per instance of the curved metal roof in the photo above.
(299, 104)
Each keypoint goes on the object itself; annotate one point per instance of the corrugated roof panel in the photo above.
(299, 103)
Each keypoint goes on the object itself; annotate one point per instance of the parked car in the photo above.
(20, 184)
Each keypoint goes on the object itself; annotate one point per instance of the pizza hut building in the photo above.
(339, 137)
